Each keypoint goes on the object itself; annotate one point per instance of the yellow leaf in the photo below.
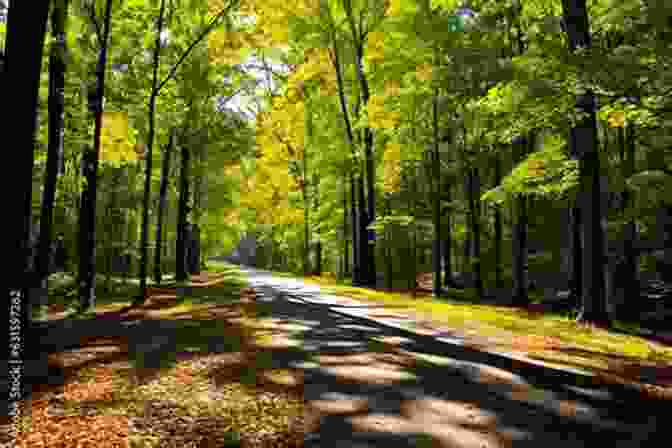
(424, 72)
(617, 119)
(375, 50)
(393, 8)
(115, 145)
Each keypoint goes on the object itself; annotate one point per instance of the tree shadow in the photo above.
(491, 384)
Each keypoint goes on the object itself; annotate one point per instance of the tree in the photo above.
(156, 88)
(57, 67)
(90, 160)
(165, 171)
(21, 75)
(150, 144)
(584, 144)
(182, 213)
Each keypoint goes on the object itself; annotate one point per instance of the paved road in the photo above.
(369, 384)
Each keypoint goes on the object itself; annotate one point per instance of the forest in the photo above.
(510, 152)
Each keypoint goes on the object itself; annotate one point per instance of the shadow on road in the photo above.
(368, 384)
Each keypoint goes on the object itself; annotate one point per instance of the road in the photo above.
(368, 384)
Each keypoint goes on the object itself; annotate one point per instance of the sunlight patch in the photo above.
(456, 436)
(382, 423)
(453, 412)
(371, 374)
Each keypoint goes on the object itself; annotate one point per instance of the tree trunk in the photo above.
(498, 231)
(21, 76)
(306, 233)
(144, 238)
(447, 241)
(182, 217)
(466, 256)
(55, 145)
(520, 287)
(370, 278)
(576, 272)
(346, 268)
(306, 217)
(87, 223)
(355, 233)
(194, 250)
(474, 214)
(318, 258)
(113, 222)
(318, 243)
(414, 235)
(436, 199)
(356, 237)
(630, 262)
(163, 192)
(583, 143)
(87, 227)
(388, 248)
(200, 186)
(362, 221)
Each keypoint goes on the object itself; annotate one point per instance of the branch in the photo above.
(205, 32)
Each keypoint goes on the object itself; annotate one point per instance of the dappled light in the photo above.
(331, 223)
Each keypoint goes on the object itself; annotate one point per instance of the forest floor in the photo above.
(239, 362)
(171, 373)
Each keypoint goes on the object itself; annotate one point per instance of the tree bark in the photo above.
(447, 244)
(388, 248)
(498, 230)
(583, 143)
(576, 272)
(318, 243)
(163, 193)
(144, 238)
(24, 44)
(370, 278)
(55, 146)
(355, 232)
(346, 255)
(474, 214)
(414, 234)
(182, 218)
(520, 286)
(436, 199)
(194, 250)
(87, 227)
(630, 260)
(362, 221)
(356, 237)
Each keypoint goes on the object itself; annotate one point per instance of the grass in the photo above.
(547, 336)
